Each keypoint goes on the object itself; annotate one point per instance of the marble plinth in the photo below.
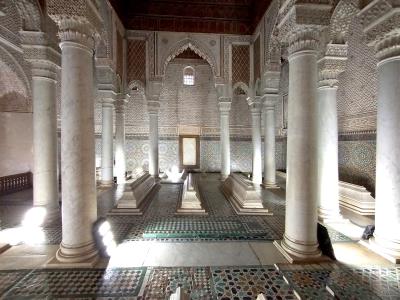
(356, 198)
(190, 201)
(136, 196)
(243, 196)
(318, 258)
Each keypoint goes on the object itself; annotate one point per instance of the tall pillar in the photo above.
(271, 81)
(330, 66)
(224, 108)
(153, 108)
(386, 40)
(45, 183)
(45, 62)
(255, 109)
(107, 155)
(300, 238)
(79, 205)
(120, 158)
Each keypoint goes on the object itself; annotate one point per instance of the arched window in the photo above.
(188, 76)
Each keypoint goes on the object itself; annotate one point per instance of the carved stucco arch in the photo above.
(13, 64)
(340, 21)
(31, 14)
(196, 47)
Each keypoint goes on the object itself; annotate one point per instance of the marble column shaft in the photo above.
(255, 108)
(45, 183)
(387, 205)
(300, 238)
(327, 149)
(224, 108)
(107, 155)
(153, 140)
(79, 205)
(120, 158)
(269, 141)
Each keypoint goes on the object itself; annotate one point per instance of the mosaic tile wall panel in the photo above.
(241, 64)
(357, 163)
(241, 154)
(357, 91)
(189, 105)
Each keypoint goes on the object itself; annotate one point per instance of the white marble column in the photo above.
(224, 108)
(45, 183)
(329, 68)
(328, 172)
(269, 141)
(386, 40)
(153, 108)
(107, 143)
(79, 205)
(255, 109)
(300, 238)
(120, 158)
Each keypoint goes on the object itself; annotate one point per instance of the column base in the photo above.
(73, 257)
(106, 183)
(223, 177)
(327, 217)
(392, 255)
(270, 185)
(295, 256)
(293, 259)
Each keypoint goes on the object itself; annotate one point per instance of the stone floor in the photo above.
(219, 256)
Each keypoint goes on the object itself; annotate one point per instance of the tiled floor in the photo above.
(219, 256)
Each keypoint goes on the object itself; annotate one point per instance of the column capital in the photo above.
(79, 21)
(120, 103)
(269, 101)
(303, 39)
(331, 65)
(254, 104)
(153, 107)
(107, 102)
(271, 78)
(224, 104)
(299, 23)
(381, 22)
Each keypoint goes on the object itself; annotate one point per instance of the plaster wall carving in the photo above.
(241, 64)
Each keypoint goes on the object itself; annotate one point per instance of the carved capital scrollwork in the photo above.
(79, 21)
(331, 65)
(303, 39)
(224, 105)
(254, 104)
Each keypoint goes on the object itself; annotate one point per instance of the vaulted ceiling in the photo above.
(208, 16)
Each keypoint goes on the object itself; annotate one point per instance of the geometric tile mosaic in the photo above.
(83, 283)
(9, 278)
(192, 280)
(248, 282)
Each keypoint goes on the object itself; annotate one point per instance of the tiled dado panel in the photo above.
(137, 150)
(357, 162)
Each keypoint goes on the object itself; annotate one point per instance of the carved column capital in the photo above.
(107, 102)
(153, 107)
(254, 104)
(79, 21)
(381, 24)
(303, 39)
(224, 105)
(331, 65)
(120, 103)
